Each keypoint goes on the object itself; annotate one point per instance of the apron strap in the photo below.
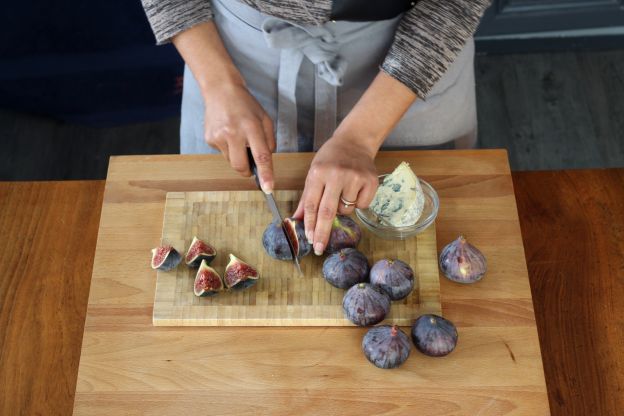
(325, 103)
(319, 45)
(286, 100)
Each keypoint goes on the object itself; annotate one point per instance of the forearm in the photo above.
(376, 113)
(203, 51)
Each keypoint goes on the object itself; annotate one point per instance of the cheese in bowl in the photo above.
(404, 205)
(399, 200)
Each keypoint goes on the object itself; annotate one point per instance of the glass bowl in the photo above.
(388, 232)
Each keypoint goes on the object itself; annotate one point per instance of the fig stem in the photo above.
(393, 331)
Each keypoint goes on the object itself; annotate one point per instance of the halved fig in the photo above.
(165, 258)
(290, 227)
(276, 245)
(199, 251)
(207, 281)
(239, 275)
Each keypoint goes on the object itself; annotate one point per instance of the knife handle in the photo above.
(253, 167)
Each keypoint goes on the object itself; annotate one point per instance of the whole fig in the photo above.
(344, 233)
(394, 277)
(165, 258)
(434, 335)
(462, 262)
(386, 346)
(239, 275)
(276, 244)
(365, 305)
(345, 268)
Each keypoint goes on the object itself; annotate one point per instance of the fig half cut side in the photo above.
(239, 275)
(207, 281)
(198, 251)
(165, 258)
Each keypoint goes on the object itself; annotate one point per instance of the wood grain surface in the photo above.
(573, 227)
(126, 362)
(580, 335)
(47, 242)
(234, 222)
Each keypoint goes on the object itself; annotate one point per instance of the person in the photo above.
(342, 78)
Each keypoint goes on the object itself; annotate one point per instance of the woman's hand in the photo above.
(343, 167)
(233, 121)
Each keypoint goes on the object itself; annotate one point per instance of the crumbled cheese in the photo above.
(399, 200)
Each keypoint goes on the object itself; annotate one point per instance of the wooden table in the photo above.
(49, 231)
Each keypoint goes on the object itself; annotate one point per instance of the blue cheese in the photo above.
(399, 200)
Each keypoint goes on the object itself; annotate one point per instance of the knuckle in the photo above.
(225, 133)
(247, 124)
(239, 167)
(263, 158)
(309, 208)
(266, 120)
(326, 213)
(211, 139)
(372, 181)
(317, 171)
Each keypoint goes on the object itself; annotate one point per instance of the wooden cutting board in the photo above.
(233, 222)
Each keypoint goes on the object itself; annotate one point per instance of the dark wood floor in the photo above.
(551, 111)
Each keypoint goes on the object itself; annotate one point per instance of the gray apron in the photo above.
(308, 78)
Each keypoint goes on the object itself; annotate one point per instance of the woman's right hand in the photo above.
(233, 121)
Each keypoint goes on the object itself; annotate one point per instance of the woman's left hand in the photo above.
(342, 167)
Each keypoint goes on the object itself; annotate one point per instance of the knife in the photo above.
(277, 217)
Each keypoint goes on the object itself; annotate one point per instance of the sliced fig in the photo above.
(239, 275)
(289, 226)
(345, 233)
(275, 243)
(165, 258)
(207, 281)
(199, 251)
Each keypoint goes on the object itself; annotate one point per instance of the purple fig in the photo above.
(365, 305)
(207, 281)
(239, 275)
(165, 258)
(199, 251)
(345, 268)
(462, 262)
(434, 335)
(386, 346)
(345, 233)
(276, 245)
(394, 277)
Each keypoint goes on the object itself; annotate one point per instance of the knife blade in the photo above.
(277, 217)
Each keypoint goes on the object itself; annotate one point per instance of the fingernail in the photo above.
(310, 237)
(267, 187)
(318, 249)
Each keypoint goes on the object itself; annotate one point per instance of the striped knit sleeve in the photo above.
(170, 17)
(428, 39)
